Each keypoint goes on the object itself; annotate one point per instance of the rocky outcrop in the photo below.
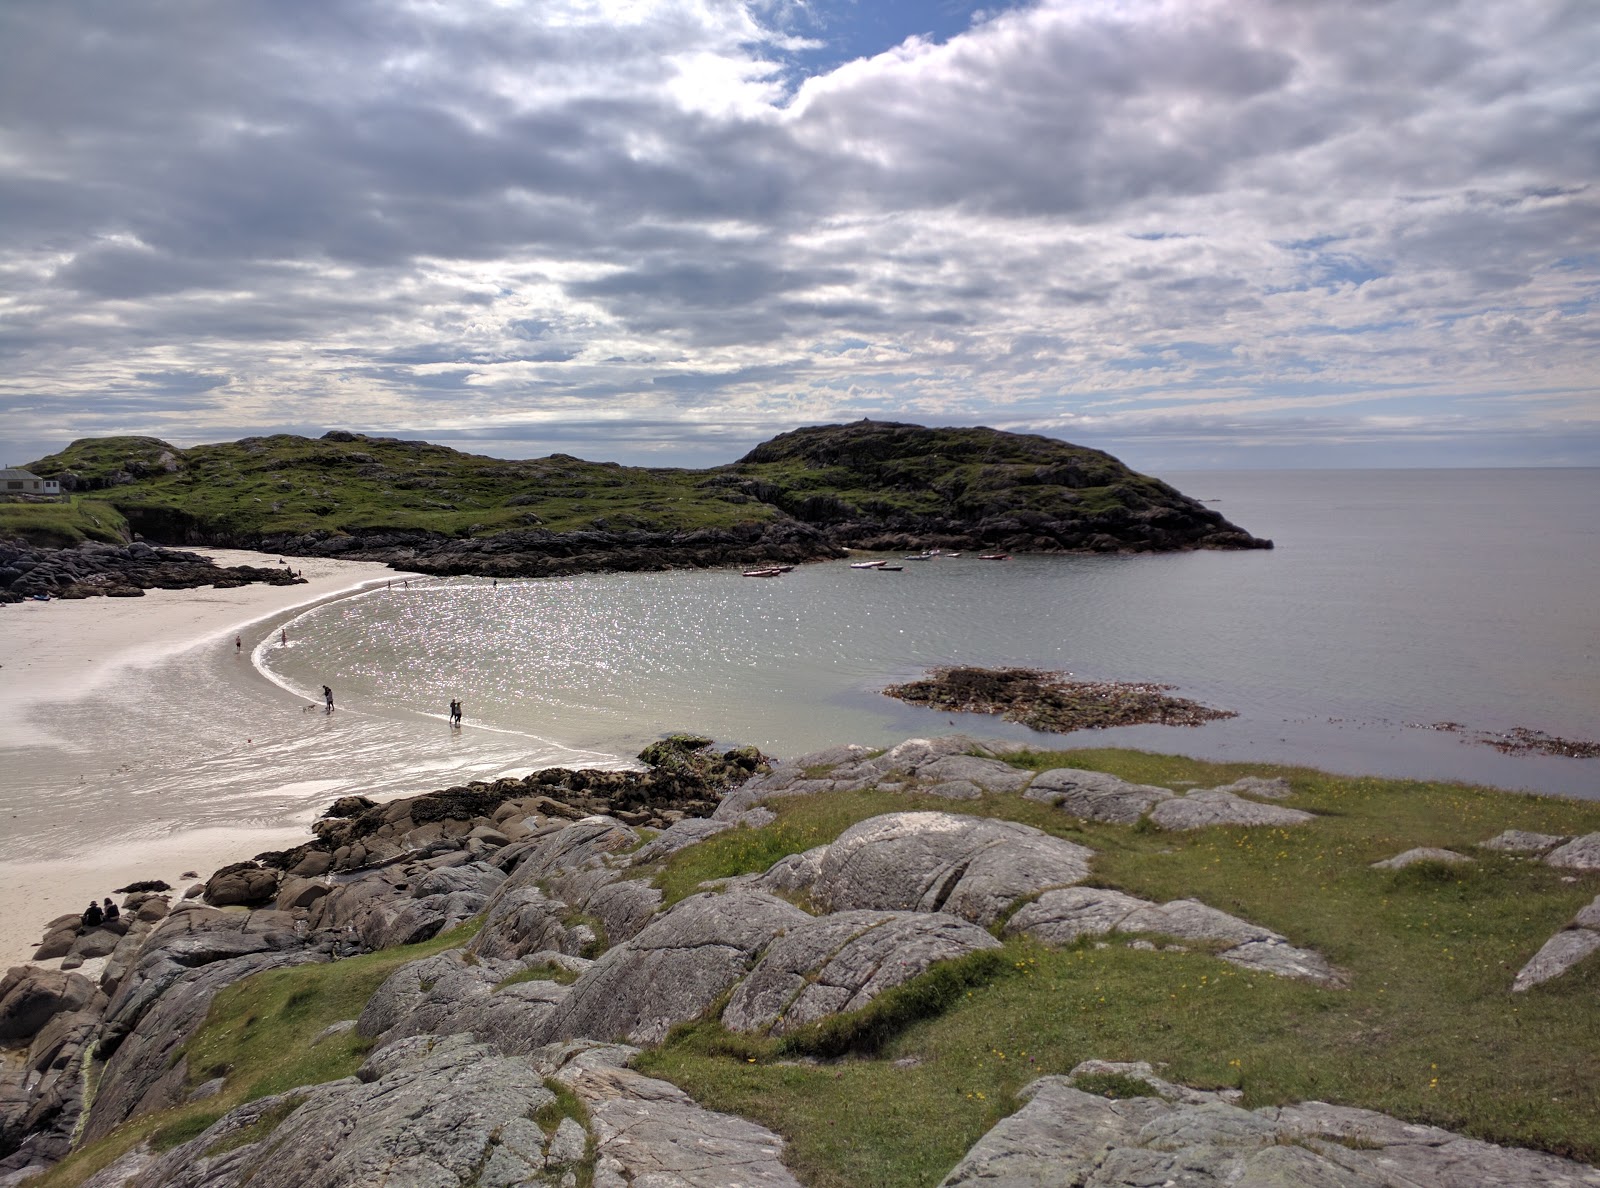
(1207, 808)
(1582, 853)
(970, 867)
(842, 962)
(1060, 917)
(189, 958)
(672, 970)
(92, 569)
(647, 1132)
(1065, 1135)
(1422, 854)
(1564, 950)
(425, 1111)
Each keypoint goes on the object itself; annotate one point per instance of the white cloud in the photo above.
(557, 214)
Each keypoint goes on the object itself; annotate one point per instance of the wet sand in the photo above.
(56, 652)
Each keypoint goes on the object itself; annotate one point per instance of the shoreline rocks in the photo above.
(119, 571)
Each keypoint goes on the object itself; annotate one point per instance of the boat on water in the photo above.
(867, 564)
(767, 571)
(920, 557)
(994, 556)
(890, 568)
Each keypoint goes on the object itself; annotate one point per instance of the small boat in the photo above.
(952, 554)
(891, 568)
(921, 557)
(783, 568)
(994, 556)
(867, 564)
(768, 571)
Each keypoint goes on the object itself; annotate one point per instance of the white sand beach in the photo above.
(52, 653)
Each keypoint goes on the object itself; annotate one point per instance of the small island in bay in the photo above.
(1051, 701)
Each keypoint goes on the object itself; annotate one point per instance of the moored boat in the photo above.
(994, 556)
(867, 564)
(767, 571)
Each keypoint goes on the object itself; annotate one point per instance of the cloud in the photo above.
(648, 217)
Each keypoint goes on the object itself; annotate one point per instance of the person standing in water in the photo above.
(238, 644)
(327, 698)
(283, 638)
(455, 712)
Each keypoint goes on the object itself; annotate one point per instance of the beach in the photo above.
(53, 654)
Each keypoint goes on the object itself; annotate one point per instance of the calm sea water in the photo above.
(1394, 600)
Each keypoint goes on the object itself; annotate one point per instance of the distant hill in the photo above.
(802, 496)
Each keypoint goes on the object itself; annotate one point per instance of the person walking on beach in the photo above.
(327, 698)
(238, 644)
(283, 638)
(455, 712)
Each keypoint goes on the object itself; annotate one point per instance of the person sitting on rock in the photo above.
(92, 915)
(112, 911)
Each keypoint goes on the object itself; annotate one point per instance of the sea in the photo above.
(1396, 602)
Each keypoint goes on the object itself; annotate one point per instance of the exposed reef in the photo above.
(1050, 702)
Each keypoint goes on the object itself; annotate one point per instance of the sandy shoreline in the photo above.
(54, 652)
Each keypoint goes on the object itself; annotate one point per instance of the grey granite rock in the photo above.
(1261, 787)
(842, 962)
(523, 920)
(407, 921)
(1588, 915)
(1094, 795)
(1421, 854)
(1066, 1137)
(673, 969)
(1061, 916)
(438, 1113)
(30, 997)
(678, 836)
(1520, 841)
(147, 1071)
(793, 873)
(455, 993)
(1204, 809)
(927, 862)
(1581, 853)
(1559, 954)
(478, 877)
(649, 1134)
(1189, 919)
(952, 790)
(989, 774)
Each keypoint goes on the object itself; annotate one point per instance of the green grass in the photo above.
(1427, 1031)
(258, 1036)
(65, 524)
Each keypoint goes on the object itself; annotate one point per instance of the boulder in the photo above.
(30, 997)
(1063, 1135)
(1582, 853)
(524, 920)
(423, 1112)
(244, 883)
(1094, 795)
(1558, 954)
(1421, 854)
(1520, 841)
(673, 969)
(1061, 916)
(842, 962)
(648, 1133)
(928, 862)
(1204, 809)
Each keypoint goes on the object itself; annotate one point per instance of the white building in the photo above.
(22, 482)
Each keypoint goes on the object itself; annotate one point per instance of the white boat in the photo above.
(866, 564)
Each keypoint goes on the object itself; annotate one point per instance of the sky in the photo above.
(1195, 233)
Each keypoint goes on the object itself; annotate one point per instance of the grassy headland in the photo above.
(894, 1094)
(803, 495)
